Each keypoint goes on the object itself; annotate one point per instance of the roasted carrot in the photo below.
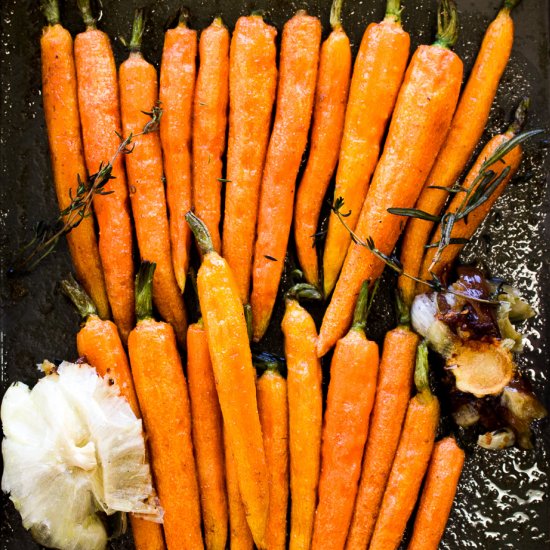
(225, 326)
(392, 397)
(164, 402)
(421, 118)
(298, 74)
(252, 84)
(138, 93)
(208, 438)
(466, 129)
(350, 398)
(410, 462)
(305, 414)
(377, 76)
(273, 408)
(100, 117)
(177, 86)
(438, 495)
(328, 123)
(209, 126)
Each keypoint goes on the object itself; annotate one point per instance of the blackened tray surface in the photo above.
(503, 498)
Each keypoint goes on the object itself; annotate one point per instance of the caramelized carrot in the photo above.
(328, 123)
(177, 85)
(377, 76)
(252, 84)
(100, 117)
(421, 118)
(298, 74)
(138, 93)
(209, 125)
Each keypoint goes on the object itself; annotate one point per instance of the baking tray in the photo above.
(502, 501)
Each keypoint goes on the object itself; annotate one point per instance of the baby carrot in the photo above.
(164, 402)
(252, 84)
(225, 326)
(100, 118)
(350, 398)
(209, 125)
(298, 74)
(177, 85)
(377, 76)
(421, 118)
(438, 495)
(328, 123)
(207, 437)
(138, 93)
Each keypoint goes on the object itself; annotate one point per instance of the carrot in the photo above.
(162, 392)
(305, 414)
(328, 123)
(410, 462)
(466, 128)
(350, 398)
(207, 437)
(273, 409)
(100, 118)
(177, 85)
(252, 84)
(420, 121)
(438, 495)
(298, 74)
(209, 125)
(99, 343)
(392, 396)
(225, 326)
(138, 93)
(377, 76)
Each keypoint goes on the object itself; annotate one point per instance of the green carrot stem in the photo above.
(183, 16)
(361, 308)
(199, 229)
(393, 10)
(403, 312)
(144, 290)
(519, 116)
(509, 5)
(421, 371)
(86, 13)
(138, 26)
(336, 14)
(447, 24)
(79, 297)
(303, 291)
(50, 9)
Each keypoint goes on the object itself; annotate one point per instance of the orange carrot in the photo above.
(328, 123)
(252, 84)
(100, 117)
(421, 118)
(164, 402)
(225, 326)
(177, 85)
(207, 437)
(298, 74)
(377, 76)
(138, 93)
(438, 495)
(350, 398)
(209, 125)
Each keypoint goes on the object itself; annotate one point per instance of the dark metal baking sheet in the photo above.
(503, 498)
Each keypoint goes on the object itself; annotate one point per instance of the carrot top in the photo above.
(202, 236)
(50, 9)
(510, 4)
(363, 305)
(303, 291)
(138, 26)
(447, 24)
(336, 14)
(421, 370)
(86, 13)
(144, 290)
(393, 10)
(79, 297)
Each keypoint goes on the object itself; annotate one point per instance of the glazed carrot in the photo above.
(209, 125)
(100, 117)
(99, 343)
(138, 93)
(350, 398)
(273, 409)
(377, 76)
(328, 123)
(438, 495)
(67, 157)
(392, 397)
(466, 129)
(225, 326)
(295, 95)
(305, 415)
(164, 402)
(252, 84)
(421, 118)
(410, 462)
(177, 85)
(207, 438)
